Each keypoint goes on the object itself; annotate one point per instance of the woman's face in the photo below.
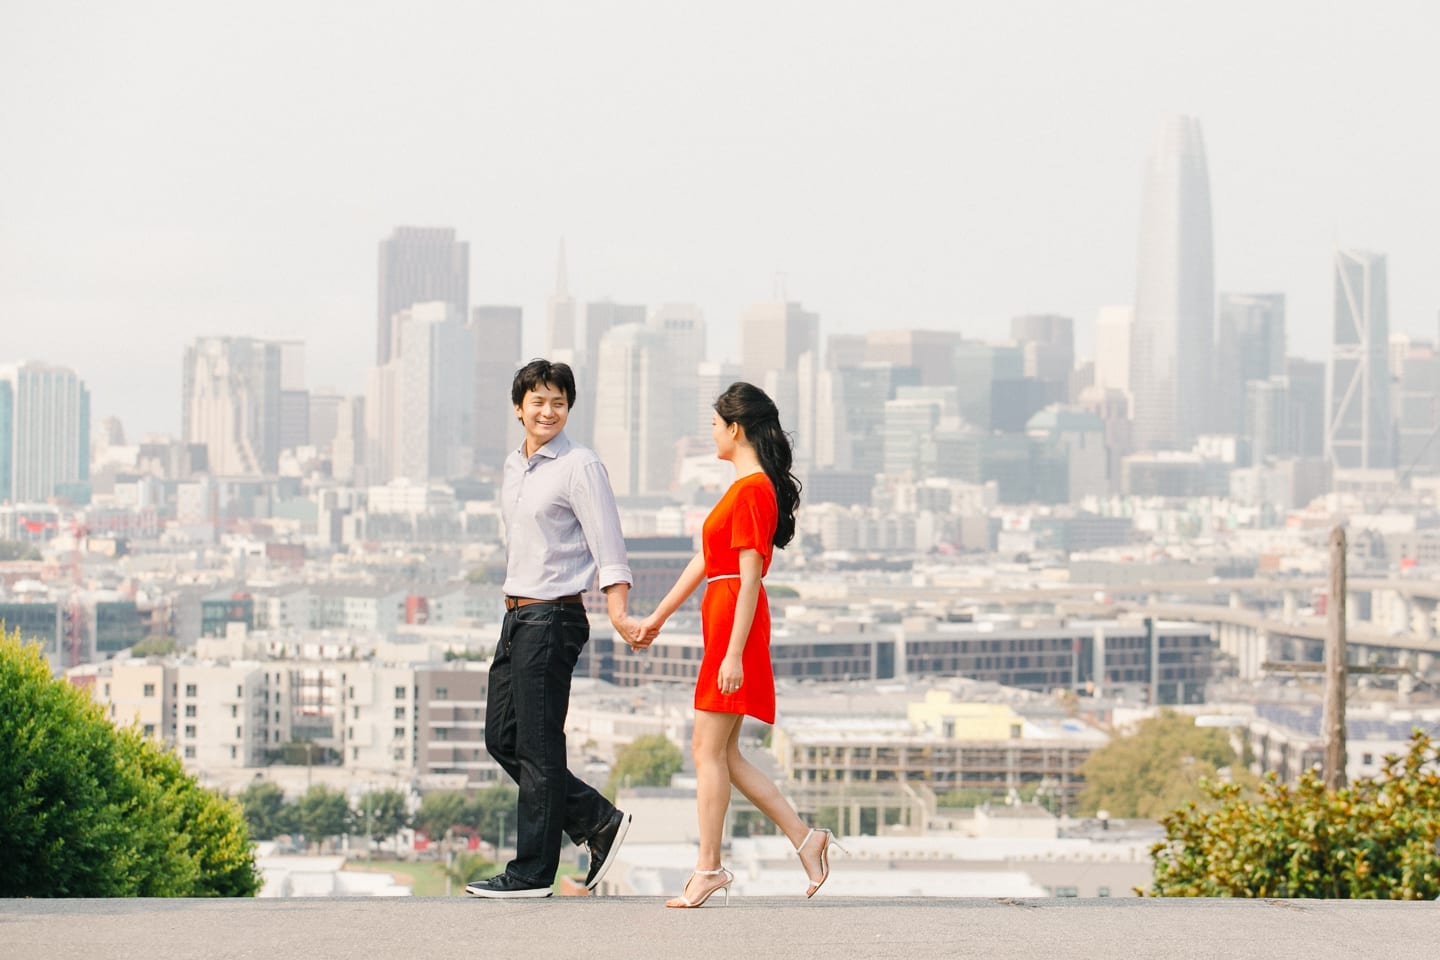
(724, 434)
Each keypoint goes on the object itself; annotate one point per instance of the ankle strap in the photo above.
(709, 873)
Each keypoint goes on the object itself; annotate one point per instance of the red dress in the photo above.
(744, 518)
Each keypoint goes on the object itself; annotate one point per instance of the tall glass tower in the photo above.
(1358, 427)
(1173, 334)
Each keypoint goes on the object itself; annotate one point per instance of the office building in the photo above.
(1359, 430)
(44, 434)
(419, 265)
(1173, 334)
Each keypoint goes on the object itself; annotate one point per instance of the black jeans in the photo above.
(525, 733)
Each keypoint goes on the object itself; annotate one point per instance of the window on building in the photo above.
(107, 691)
(355, 712)
(149, 729)
(399, 732)
(149, 689)
(277, 736)
(399, 713)
(234, 710)
(442, 734)
(190, 730)
(239, 690)
(189, 709)
(1103, 892)
(399, 693)
(354, 753)
(239, 734)
(190, 753)
(399, 753)
(190, 690)
(442, 693)
(232, 753)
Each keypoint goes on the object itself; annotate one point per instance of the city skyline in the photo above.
(911, 171)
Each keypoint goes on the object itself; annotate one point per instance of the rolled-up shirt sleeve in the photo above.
(593, 501)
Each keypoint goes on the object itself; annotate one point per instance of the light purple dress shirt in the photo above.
(561, 522)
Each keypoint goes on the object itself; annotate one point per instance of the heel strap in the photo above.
(810, 833)
(710, 873)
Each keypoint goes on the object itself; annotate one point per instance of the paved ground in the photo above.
(752, 929)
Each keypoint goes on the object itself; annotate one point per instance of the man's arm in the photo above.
(593, 502)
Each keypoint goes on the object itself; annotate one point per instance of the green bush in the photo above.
(92, 811)
(1372, 840)
(647, 761)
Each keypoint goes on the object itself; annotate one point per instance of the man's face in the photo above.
(543, 412)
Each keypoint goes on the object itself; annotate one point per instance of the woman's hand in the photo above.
(649, 630)
(731, 676)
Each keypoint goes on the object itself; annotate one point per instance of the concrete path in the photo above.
(749, 929)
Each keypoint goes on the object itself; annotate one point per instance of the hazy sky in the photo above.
(173, 169)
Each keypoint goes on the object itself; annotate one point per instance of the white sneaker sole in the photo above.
(534, 894)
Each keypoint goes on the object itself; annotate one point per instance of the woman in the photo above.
(756, 515)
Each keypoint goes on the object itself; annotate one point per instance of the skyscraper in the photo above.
(1173, 335)
(496, 333)
(1048, 342)
(433, 395)
(560, 336)
(632, 410)
(44, 433)
(419, 265)
(1417, 408)
(773, 336)
(1113, 326)
(1358, 428)
(601, 317)
(1306, 411)
(1249, 346)
(682, 327)
(231, 403)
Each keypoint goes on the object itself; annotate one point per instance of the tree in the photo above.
(382, 813)
(1155, 769)
(648, 761)
(17, 550)
(323, 813)
(153, 646)
(1374, 839)
(266, 811)
(92, 811)
(470, 866)
(492, 807)
(441, 810)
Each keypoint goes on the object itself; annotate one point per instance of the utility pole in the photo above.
(1334, 716)
(1337, 671)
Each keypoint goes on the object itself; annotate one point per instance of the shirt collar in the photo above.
(553, 449)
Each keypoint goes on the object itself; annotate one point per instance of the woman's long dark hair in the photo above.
(748, 405)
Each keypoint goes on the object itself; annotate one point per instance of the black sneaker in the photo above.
(504, 887)
(603, 846)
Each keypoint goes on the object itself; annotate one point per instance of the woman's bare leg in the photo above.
(761, 791)
(709, 746)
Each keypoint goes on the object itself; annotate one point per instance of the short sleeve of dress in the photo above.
(752, 525)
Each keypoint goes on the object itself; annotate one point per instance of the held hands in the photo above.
(639, 634)
(731, 675)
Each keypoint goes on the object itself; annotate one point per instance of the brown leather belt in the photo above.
(514, 603)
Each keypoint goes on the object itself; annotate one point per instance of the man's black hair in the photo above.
(538, 372)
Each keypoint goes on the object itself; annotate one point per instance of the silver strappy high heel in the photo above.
(826, 839)
(683, 901)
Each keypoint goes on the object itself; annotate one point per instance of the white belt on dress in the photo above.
(725, 576)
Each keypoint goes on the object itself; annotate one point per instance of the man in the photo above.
(562, 527)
